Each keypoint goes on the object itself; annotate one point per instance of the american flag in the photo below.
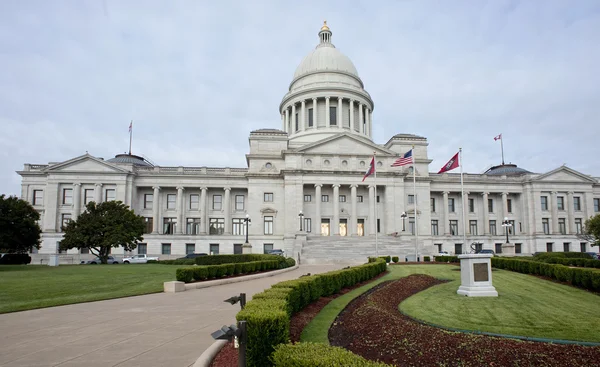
(407, 158)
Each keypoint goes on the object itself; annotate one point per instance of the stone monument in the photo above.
(476, 276)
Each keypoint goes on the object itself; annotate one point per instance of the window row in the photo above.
(566, 247)
(473, 227)
(194, 202)
(560, 203)
(471, 204)
(562, 225)
(67, 196)
(216, 226)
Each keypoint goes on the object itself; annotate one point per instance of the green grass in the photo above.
(26, 287)
(526, 306)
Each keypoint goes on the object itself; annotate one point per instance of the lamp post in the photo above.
(247, 220)
(301, 216)
(506, 224)
(403, 216)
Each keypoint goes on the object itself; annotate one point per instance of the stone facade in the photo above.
(315, 166)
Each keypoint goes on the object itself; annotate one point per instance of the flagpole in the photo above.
(502, 147)
(462, 190)
(375, 181)
(416, 210)
(130, 134)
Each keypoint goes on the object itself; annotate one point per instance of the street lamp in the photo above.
(301, 216)
(247, 220)
(403, 216)
(506, 224)
(235, 299)
(240, 336)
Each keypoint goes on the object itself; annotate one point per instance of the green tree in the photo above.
(591, 231)
(103, 226)
(19, 230)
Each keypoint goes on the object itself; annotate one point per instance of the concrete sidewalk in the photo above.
(163, 329)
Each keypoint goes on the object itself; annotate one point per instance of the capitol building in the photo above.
(303, 189)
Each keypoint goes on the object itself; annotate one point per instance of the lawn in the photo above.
(26, 287)
(526, 306)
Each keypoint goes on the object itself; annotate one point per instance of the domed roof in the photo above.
(325, 58)
(506, 169)
(130, 159)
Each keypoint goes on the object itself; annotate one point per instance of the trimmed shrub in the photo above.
(426, 258)
(447, 259)
(15, 259)
(317, 355)
(232, 259)
(184, 275)
(395, 259)
(289, 262)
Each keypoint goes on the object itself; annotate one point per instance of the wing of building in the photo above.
(304, 192)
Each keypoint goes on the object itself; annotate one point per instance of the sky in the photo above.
(197, 76)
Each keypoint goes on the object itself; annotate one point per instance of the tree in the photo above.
(19, 230)
(103, 226)
(591, 231)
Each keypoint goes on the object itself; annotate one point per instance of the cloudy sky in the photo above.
(197, 76)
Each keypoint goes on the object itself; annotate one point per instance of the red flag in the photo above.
(371, 169)
(498, 137)
(130, 126)
(452, 164)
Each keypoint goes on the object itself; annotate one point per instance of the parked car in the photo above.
(192, 256)
(441, 253)
(96, 260)
(593, 255)
(275, 252)
(484, 251)
(138, 259)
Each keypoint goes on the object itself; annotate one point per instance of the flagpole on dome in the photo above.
(416, 201)
(462, 190)
(502, 148)
(130, 134)
(375, 182)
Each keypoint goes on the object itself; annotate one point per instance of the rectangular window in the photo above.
(142, 249)
(148, 198)
(493, 227)
(544, 201)
(359, 199)
(83, 250)
(267, 247)
(171, 201)
(583, 247)
(307, 225)
(268, 197)
(38, 197)
(566, 246)
(498, 247)
(239, 227)
(454, 227)
(562, 226)
(512, 229)
(169, 225)
(297, 121)
(451, 205)
(110, 194)
(88, 196)
(194, 202)
(411, 199)
(596, 205)
(490, 205)
(518, 249)
(360, 227)
(473, 227)
(332, 116)
(310, 117)
(214, 248)
(192, 226)
(546, 225)
(378, 225)
(148, 224)
(324, 198)
(239, 202)
(307, 198)
(237, 248)
(190, 248)
(548, 246)
(577, 203)
(216, 225)
(509, 205)
(471, 205)
(268, 225)
(166, 249)
(432, 202)
(434, 228)
(458, 248)
(578, 226)
(560, 202)
(377, 198)
(342, 198)
(67, 198)
(65, 219)
(217, 202)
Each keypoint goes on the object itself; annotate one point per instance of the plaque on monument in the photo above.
(480, 272)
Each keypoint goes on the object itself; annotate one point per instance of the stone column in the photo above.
(504, 205)
(352, 127)
(446, 220)
(486, 214)
(554, 210)
(203, 217)
(571, 212)
(98, 193)
(156, 210)
(327, 122)
(372, 201)
(303, 117)
(227, 209)
(180, 211)
(339, 115)
(589, 205)
(360, 119)
(294, 120)
(353, 218)
(282, 121)
(336, 210)
(367, 122)
(287, 120)
(315, 104)
(76, 200)
(317, 223)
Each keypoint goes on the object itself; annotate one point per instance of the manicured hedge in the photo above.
(197, 273)
(232, 259)
(268, 313)
(318, 355)
(15, 259)
(583, 278)
(447, 259)
(395, 259)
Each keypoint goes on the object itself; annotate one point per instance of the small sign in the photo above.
(480, 272)
(236, 342)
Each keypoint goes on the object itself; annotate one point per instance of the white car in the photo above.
(138, 259)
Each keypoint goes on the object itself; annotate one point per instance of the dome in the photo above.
(130, 159)
(506, 169)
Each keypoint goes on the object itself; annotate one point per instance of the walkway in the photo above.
(154, 330)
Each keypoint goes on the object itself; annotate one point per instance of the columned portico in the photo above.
(156, 210)
(372, 199)
(554, 210)
(318, 208)
(446, 221)
(486, 214)
(180, 208)
(203, 218)
(76, 200)
(336, 210)
(227, 208)
(571, 211)
(98, 193)
(353, 217)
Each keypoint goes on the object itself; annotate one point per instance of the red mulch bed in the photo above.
(372, 327)
(228, 356)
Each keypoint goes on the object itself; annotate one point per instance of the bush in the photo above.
(289, 262)
(395, 259)
(15, 259)
(268, 325)
(184, 275)
(447, 259)
(317, 355)
(426, 258)
(232, 259)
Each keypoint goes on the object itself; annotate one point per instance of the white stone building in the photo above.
(315, 165)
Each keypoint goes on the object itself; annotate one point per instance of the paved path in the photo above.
(163, 329)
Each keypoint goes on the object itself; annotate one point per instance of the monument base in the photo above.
(477, 291)
(246, 248)
(508, 250)
(476, 276)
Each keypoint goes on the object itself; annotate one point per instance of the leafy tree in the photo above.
(19, 230)
(591, 231)
(103, 226)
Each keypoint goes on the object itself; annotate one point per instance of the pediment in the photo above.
(345, 144)
(85, 163)
(268, 211)
(564, 174)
